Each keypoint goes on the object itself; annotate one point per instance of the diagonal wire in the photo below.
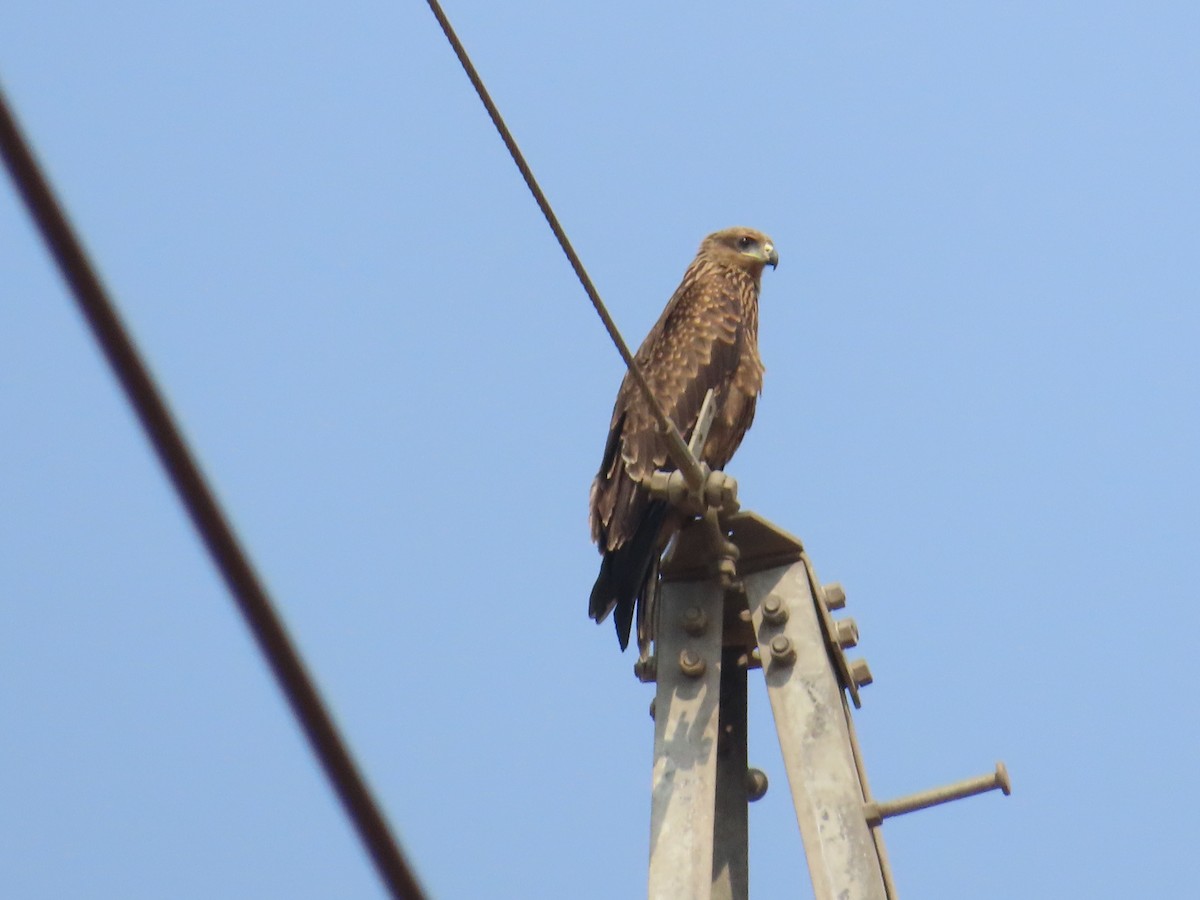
(210, 521)
(676, 448)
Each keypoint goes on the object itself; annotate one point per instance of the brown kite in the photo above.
(706, 338)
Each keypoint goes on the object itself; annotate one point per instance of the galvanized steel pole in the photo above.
(806, 699)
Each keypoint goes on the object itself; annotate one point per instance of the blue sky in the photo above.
(979, 414)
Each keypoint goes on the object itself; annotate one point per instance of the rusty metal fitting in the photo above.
(835, 596)
(846, 633)
(782, 650)
(860, 673)
(756, 784)
(691, 663)
(774, 611)
(695, 621)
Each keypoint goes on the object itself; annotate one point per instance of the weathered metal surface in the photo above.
(998, 780)
(806, 699)
(762, 545)
(686, 729)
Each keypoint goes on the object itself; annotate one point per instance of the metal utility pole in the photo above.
(710, 628)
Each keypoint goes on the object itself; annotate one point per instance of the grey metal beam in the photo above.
(688, 650)
(813, 734)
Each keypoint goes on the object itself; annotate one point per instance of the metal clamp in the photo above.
(718, 491)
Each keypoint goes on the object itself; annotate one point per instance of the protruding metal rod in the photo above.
(201, 504)
(676, 448)
(704, 420)
(998, 780)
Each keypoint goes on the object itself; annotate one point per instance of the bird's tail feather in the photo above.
(624, 573)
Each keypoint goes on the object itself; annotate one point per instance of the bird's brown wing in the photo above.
(697, 344)
(693, 347)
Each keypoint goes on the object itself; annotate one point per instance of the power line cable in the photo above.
(676, 448)
(206, 515)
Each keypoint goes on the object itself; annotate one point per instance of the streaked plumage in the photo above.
(707, 337)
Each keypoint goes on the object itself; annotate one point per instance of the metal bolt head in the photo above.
(782, 650)
(847, 633)
(751, 660)
(835, 596)
(691, 663)
(695, 621)
(756, 784)
(774, 611)
(860, 672)
(646, 670)
(653, 707)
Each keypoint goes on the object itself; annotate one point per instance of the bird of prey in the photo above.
(706, 338)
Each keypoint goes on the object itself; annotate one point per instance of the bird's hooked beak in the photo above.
(772, 255)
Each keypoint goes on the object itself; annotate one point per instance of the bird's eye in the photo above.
(745, 242)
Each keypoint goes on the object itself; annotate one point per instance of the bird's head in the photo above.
(741, 248)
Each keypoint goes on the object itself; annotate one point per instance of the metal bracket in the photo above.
(717, 492)
(777, 616)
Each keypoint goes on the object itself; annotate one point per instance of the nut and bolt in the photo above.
(835, 596)
(847, 633)
(751, 660)
(691, 663)
(860, 673)
(726, 572)
(774, 611)
(695, 621)
(646, 670)
(782, 650)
